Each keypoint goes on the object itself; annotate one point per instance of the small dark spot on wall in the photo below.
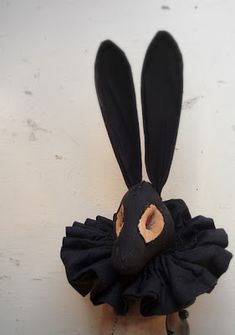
(32, 137)
(202, 152)
(5, 277)
(24, 60)
(221, 81)
(37, 73)
(196, 7)
(28, 92)
(164, 7)
(35, 127)
(196, 189)
(17, 320)
(58, 157)
(32, 124)
(15, 261)
(189, 103)
(233, 127)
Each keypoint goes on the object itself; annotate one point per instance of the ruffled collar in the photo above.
(168, 283)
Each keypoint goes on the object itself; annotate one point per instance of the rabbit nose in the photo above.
(124, 262)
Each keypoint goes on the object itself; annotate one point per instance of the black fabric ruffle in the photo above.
(168, 283)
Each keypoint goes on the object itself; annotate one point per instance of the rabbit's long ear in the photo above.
(116, 95)
(161, 94)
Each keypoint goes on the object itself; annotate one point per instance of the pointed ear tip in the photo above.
(107, 49)
(106, 45)
(164, 36)
(166, 40)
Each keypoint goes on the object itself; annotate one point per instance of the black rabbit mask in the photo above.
(143, 225)
(153, 250)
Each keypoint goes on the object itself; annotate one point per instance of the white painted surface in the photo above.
(56, 161)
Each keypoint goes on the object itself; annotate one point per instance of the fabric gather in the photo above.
(168, 283)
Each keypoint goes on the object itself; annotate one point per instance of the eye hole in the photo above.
(119, 220)
(151, 223)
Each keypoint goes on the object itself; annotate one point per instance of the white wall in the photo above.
(56, 161)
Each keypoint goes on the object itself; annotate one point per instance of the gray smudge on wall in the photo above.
(164, 7)
(189, 103)
(28, 92)
(35, 127)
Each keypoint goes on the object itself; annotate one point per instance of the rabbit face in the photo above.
(144, 228)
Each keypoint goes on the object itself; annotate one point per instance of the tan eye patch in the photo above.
(151, 223)
(119, 220)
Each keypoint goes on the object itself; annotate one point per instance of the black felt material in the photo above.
(188, 255)
(168, 283)
(161, 93)
(116, 95)
(135, 202)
